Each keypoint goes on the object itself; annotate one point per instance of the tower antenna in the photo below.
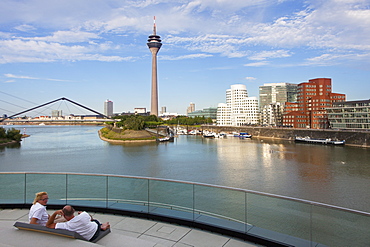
(154, 28)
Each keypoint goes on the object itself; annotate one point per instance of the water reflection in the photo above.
(13, 145)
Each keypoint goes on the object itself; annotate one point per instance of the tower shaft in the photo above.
(154, 98)
(154, 44)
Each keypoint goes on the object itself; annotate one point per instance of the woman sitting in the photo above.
(38, 214)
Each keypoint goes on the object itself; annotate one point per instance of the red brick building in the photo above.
(313, 98)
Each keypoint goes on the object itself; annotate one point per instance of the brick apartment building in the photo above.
(313, 98)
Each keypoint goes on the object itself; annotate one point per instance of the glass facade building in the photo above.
(350, 115)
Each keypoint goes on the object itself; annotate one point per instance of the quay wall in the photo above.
(355, 138)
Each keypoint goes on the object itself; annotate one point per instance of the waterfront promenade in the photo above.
(126, 231)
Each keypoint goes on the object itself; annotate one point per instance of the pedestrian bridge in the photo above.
(263, 218)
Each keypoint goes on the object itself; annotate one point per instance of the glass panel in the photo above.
(128, 194)
(339, 228)
(276, 218)
(220, 206)
(12, 188)
(87, 190)
(53, 184)
(171, 199)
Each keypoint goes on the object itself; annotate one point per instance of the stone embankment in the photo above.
(355, 138)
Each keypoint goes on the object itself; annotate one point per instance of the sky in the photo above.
(93, 50)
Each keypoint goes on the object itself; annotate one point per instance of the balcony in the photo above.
(259, 217)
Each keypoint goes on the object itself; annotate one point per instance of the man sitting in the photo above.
(83, 223)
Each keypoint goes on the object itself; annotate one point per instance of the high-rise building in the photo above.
(108, 108)
(239, 110)
(313, 98)
(277, 92)
(272, 99)
(154, 44)
(164, 110)
(191, 108)
(56, 113)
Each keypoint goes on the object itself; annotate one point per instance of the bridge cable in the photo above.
(18, 98)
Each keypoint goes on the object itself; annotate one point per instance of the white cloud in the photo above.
(190, 56)
(25, 28)
(258, 64)
(67, 37)
(20, 77)
(30, 78)
(18, 50)
(249, 78)
(270, 54)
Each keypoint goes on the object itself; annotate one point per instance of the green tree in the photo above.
(14, 134)
(2, 132)
(134, 123)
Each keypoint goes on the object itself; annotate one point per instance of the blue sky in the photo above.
(93, 50)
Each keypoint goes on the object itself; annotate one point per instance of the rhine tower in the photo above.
(154, 44)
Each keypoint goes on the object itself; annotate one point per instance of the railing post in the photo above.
(25, 188)
(106, 192)
(245, 212)
(311, 218)
(66, 189)
(148, 195)
(193, 202)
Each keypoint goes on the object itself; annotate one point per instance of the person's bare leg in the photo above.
(105, 226)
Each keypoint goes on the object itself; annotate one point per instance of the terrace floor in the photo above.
(126, 231)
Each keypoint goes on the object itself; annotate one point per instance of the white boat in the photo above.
(243, 135)
(181, 132)
(165, 139)
(195, 132)
(210, 134)
(324, 141)
(222, 135)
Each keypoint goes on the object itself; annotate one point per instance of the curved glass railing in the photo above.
(283, 219)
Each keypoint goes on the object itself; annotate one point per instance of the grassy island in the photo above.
(131, 128)
(117, 135)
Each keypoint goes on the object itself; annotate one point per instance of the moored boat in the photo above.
(210, 135)
(165, 139)
(243, 135)
(324, 141)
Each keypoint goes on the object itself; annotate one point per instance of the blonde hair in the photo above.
(38, 196)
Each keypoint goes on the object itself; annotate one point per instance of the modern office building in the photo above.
(140, 110)
(108, 108)
(272, 114)
(154, 44)
(210, 112)
(277, 92)
(239, 110)
(163, 110)
(350, 115)
(56, 113)
(313, 98)
(190, 108)
(272, 100)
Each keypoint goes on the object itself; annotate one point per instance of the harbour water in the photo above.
(336, 175)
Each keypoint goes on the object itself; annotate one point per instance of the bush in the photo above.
(2, 132)
(14, 134)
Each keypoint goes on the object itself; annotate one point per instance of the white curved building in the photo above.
(239, 110)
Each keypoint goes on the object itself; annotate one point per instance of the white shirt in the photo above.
(38, 211)
(81, 224)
